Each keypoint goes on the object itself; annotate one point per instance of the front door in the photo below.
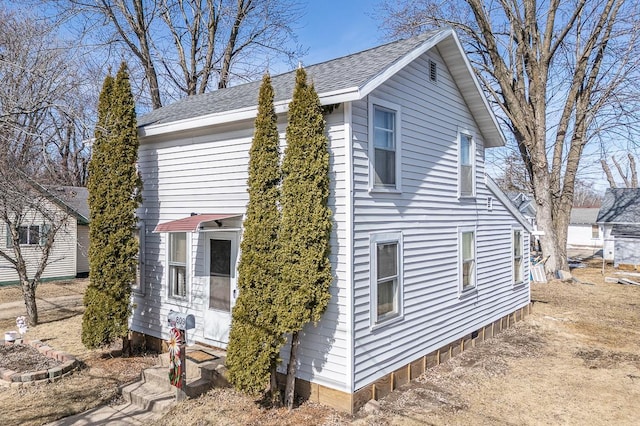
(222, 251)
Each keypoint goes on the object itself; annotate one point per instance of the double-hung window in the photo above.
(467, 256)
(178, 264)
(466, 180)
(518, 253)
(386, 277)
(29, 235)
(384, 141)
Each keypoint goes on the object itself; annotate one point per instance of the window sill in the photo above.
(179, 301)
(467, 197)
(386, 322)
(384, 190)
(468, 292)
(519, 285)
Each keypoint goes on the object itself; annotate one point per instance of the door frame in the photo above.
(217, 323)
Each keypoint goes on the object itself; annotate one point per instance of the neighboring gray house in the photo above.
(525, 205)
(455, 250)
(69, 255)
(584, 231)
(619, 217)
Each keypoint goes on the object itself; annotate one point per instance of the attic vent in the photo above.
(433, 71)
(489, 203)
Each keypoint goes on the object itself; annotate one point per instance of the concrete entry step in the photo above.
(205, 370)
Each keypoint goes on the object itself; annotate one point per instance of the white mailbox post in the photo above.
(179, 323)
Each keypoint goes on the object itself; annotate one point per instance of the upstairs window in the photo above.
(178, 264)
(595, 232)
(467, 162)
(384, 140)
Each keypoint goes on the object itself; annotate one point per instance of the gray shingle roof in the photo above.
(582, 216)
(75, 198)
(620, 205)
(632, 231)
(342, 73)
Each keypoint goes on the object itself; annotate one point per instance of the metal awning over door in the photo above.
(193, 223)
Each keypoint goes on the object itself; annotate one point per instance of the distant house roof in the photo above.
(621, 206)
(628, 231)
(584, 216)
(75, 198)
(339, 80)
(522, 202)
(508, 203)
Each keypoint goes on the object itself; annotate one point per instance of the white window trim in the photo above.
(472, 153)
(398, 146)
(139, 287)
(187, 268)
(374, 240)
(472, 289)
(513, 271)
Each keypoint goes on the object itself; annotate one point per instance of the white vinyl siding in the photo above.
(385, 152)
(428, 213)
(206, 172)
(386, 277)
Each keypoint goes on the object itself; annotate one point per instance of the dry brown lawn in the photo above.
(574, 361)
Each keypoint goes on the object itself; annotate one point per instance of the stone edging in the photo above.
(9, 378)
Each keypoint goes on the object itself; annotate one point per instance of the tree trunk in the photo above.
(276, 398)
(29, 295)
(126, 347)
(289, 391)
(544, 219)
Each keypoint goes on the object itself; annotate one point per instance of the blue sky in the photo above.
(331, 28)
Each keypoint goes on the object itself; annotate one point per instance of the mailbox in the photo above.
(181, 321)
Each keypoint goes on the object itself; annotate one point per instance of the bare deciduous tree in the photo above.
(43, 110)
(186, 47)
(39, 125)
(31, 219)
(585, 195)
(561, 73)
(628, 173)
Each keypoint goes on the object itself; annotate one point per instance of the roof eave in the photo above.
(281, 107)
(457, 63)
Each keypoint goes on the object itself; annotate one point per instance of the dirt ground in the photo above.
(574, 361)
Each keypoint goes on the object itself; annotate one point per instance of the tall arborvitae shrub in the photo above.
(255, 340)
(306, 221)
(114, 195)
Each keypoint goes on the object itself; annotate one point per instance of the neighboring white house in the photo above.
(584, 231)
(69, 255)
(619, 218)
(426, 250)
